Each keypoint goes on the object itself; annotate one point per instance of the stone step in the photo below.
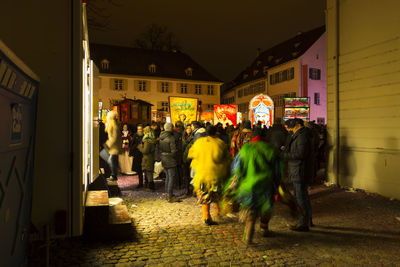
(96, 208)
(97, 198)
(114, 189)
(119, 215)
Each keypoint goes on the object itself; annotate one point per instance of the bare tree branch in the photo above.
(98, 13)
(157, 37)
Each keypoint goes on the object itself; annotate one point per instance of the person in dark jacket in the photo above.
(187, 137)
(312, 164)
(197, 132)
(156, 129)
(137, 155)
(167, 150)
(277, 136)
(178, 133)
(297, 154)
(103, 136)
(221, 133)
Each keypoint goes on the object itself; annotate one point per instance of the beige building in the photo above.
(285, 70)
(363, 40)
(151, 76)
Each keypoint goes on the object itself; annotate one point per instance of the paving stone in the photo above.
(347, 233)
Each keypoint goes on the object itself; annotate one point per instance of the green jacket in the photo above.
(148, 149)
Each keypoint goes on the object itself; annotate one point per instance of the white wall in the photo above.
(368, 94)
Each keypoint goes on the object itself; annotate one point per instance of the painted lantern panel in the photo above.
(183, 109)
(297, 107)
(225, 114)
(262, 110)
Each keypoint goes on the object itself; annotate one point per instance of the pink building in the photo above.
(293, 68)
(313, 80)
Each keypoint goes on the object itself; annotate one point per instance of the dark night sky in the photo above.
(221, 35)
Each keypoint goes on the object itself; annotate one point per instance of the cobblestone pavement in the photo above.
(352, 228)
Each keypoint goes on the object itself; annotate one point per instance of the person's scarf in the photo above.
(149, 136)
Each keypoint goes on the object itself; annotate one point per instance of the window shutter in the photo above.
(124, 84)
(191, 88)
(112, 84)
(159, 86)
(136, 85)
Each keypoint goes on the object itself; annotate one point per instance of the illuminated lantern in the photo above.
(225, 114)
(261, 109)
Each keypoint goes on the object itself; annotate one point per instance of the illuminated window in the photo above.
(316, 99)
(210, 89)
(105, 64)
(142, 86)
(197, 89)
(189, 72)
(184, 88)
(315, 74)
(255, 72)
(164, 87)
(152, 68)
(118, 85)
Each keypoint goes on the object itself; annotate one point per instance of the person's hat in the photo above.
(168, 127)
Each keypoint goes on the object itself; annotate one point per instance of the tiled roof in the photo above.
(277, 55)
(136, 61)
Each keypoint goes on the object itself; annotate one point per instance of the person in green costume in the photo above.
(256, 177)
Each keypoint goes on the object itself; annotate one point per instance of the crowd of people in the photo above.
(244, 168)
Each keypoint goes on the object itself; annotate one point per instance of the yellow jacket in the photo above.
(210, 161)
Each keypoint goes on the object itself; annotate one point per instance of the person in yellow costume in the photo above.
(210, 162)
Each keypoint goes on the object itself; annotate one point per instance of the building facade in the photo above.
(363, 40)
(151, 76)
(294, 68)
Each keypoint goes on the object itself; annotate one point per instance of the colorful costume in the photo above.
(257, 172)
(239, 139)
(210, 162)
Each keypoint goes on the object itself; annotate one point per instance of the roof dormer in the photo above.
(152, 68)
(105, 64)
(189, 72)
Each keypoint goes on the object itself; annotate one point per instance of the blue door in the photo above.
(18, 94)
